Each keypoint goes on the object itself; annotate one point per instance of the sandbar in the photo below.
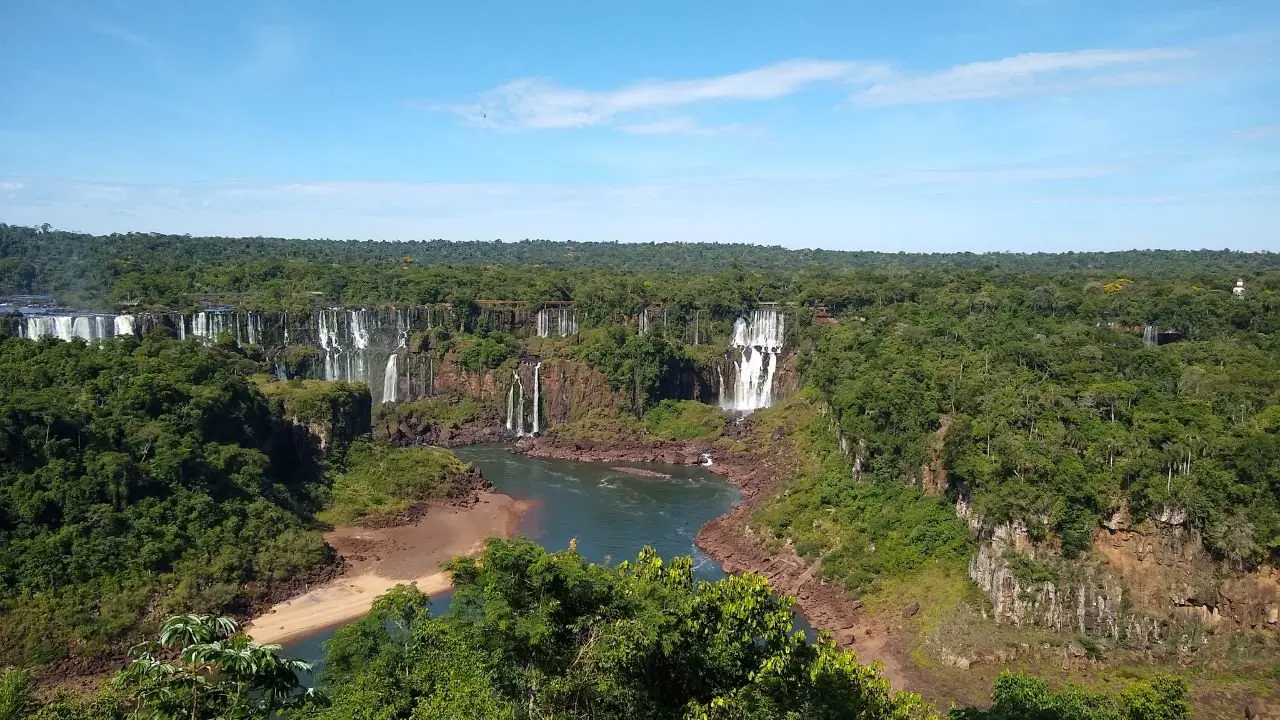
(380, 559)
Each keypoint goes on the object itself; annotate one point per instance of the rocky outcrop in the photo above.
(1142, 586)
(323, 414)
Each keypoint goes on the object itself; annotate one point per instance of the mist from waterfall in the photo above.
(758, 339)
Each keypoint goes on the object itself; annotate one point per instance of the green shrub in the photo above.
(684, 420)
(379, 480)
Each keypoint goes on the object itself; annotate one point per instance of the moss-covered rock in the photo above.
(333, 413)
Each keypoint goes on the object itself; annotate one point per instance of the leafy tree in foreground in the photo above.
(533, 634)
(201, 668)
(220, 673)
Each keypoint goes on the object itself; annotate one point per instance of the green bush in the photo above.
(684, 420)
(380, 480)
(478, 353)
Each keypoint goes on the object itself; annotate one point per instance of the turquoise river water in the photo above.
(612, 514)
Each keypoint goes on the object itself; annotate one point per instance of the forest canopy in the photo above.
(140, 478)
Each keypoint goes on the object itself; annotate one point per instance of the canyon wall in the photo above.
(1143, 585)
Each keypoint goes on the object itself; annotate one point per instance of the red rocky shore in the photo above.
(730, 541)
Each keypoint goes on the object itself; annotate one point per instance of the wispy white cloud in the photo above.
(11, 186)
(1263, 132)
(1026, 74)
(539, 103)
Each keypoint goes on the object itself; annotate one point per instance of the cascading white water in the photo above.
(359, 343)
(67, 327)
(123, 325)
(758, 339)
(519, 407)
(643, 320)
(391, 379)
(536, 369)
(1150, 336)
(253, 328)
(327, 336)
(557, 322)
(511, 407)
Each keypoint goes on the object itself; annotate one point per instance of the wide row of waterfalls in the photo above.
(373, 346)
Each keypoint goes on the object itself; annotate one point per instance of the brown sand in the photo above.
(381, 559)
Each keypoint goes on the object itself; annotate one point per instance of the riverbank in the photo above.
(378, 559)
(729, 539)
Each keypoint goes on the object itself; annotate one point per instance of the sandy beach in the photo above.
(381, 559)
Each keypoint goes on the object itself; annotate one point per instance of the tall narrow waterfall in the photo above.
(327, 334)
(643, 320)
(1150, 336)
(391, 379)
(557, 322)
(511, 407)
(536, 369)
(757, 340)
(519, 408)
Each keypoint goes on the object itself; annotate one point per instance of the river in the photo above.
(611, 514)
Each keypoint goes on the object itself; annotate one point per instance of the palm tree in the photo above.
(220, 673)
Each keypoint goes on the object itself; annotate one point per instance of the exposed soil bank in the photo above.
(378, 559)
(729, 540)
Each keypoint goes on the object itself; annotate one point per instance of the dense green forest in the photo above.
(605, 280)
(140, 478)
(1051, 418)
(149, 477)
(532, 634)
(1052, 408)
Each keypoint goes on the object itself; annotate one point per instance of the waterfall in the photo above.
(519, 407)
(123, 325)
(557, 322)
(327, 334)
(536, 369)
(67, 327)
(643, 320)
(511, 407)
(359, 343)
(758, 340)
(253, 328)
(390, 379)
(1150, 336)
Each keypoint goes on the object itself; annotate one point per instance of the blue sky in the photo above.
(944, 125)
